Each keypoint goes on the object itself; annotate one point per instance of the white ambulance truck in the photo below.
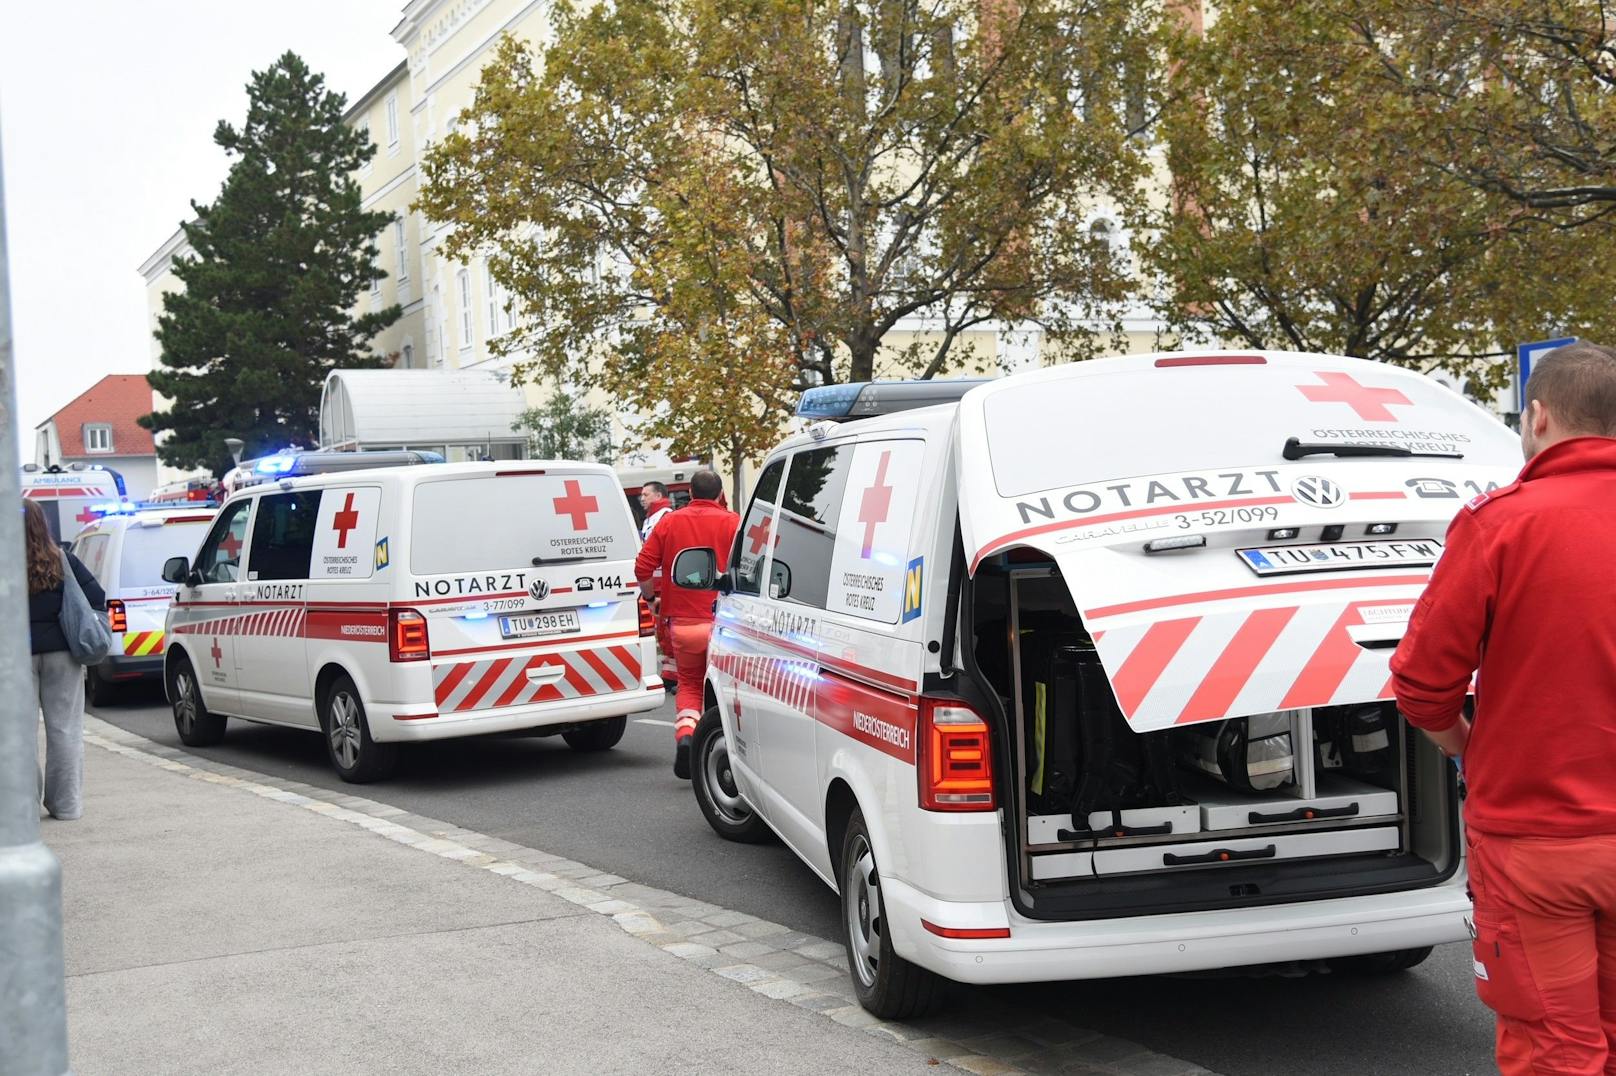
(126, 551)
(1083, 672)
(415, 603)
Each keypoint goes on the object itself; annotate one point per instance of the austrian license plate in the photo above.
(559, 622)
(1341, 556)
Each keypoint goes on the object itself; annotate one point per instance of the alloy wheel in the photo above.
(862, 906)
(344, 731)
(720, 784)
(185, 700)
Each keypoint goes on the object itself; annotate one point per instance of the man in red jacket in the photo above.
(701, 523)
(1525, 596)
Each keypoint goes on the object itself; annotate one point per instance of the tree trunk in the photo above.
(737, 475)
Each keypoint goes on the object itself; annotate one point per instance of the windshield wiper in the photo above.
(541, 562)
(1296, 449)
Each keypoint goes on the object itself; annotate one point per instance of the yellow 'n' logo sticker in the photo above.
(912, 589)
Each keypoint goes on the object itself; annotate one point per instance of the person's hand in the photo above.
(1452, 740)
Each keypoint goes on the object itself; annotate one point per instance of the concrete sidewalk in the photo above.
(210, 928)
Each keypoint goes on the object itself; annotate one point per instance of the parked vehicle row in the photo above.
(1076, 673)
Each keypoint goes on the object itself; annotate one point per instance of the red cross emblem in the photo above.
(576, 505)
(231, 545)
(86, 515)
(875, 504)
(758, 534)
(1369, 403)
(345, 521)
(217, 653)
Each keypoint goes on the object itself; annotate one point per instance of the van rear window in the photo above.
(473, 524)
(1051, 434)
(146, 548)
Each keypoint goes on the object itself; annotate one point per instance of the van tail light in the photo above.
(647, 621)
(956, 758)
(406, 636)
(117, 616)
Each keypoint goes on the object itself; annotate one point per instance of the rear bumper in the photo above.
(1151, 945)
(119, 667)
(410, 724)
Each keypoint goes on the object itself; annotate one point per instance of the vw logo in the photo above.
(1318, 492)
(539, 589)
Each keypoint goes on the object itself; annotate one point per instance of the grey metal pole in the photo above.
(33, 996)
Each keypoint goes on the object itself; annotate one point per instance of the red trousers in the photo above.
(690, 639)
(1545, 950)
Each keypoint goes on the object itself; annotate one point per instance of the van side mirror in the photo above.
(175, 569)
(697, 569)
(779, 580)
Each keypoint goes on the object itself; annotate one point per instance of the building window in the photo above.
(403, 255)
(392, 120)
(376, 285)
(98, 438)
(493, 305)
(409, 356)
(465, 309)
(435, 311)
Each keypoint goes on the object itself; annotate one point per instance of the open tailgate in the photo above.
(1090, 462)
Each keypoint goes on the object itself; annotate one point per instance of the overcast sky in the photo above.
(107, 112)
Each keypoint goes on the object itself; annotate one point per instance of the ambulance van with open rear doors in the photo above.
(415, 603)
(1082, 672)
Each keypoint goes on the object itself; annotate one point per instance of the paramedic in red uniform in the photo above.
(655, 503)
(701, 523)
(1525, 592)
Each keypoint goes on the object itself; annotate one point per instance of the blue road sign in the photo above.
(1525, 355)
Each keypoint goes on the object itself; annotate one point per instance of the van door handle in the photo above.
(547, 672)
(1221, 855)
(1303, 814)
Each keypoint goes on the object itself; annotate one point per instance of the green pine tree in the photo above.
(280, 258)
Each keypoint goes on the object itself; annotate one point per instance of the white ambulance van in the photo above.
(126, 552)
(1083, 672)
(415, 603)
(73, 497)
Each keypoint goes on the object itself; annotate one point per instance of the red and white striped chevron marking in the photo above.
(1197, 668)
(574, 674)
(289, 621)
(789, 681)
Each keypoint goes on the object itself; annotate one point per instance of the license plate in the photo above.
(559, 622)
(1341, 556)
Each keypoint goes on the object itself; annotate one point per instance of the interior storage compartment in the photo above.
(1273, 797)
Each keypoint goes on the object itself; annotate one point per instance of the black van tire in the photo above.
(356, 757)
(98, 689)
(597, 735)
(192, 720)
(710, 779)
(885, 983)
(1381, 963)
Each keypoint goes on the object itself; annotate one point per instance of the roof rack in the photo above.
(866, 399)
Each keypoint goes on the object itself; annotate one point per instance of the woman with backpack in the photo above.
(58, 674)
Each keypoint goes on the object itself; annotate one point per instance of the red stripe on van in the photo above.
(452, 681)
(612, 679)
(1233, 669)
(1322, 675)
(1148, 660)
(1299, 587)
(485, 685)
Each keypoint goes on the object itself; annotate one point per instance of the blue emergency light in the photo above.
(275, 464)
(867, 399)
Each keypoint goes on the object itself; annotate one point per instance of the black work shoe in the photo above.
(681, 759)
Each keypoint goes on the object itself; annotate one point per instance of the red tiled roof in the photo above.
(117, 400)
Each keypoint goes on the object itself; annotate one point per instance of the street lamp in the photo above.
(234, 445)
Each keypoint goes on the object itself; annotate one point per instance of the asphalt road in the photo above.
(624, 812)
